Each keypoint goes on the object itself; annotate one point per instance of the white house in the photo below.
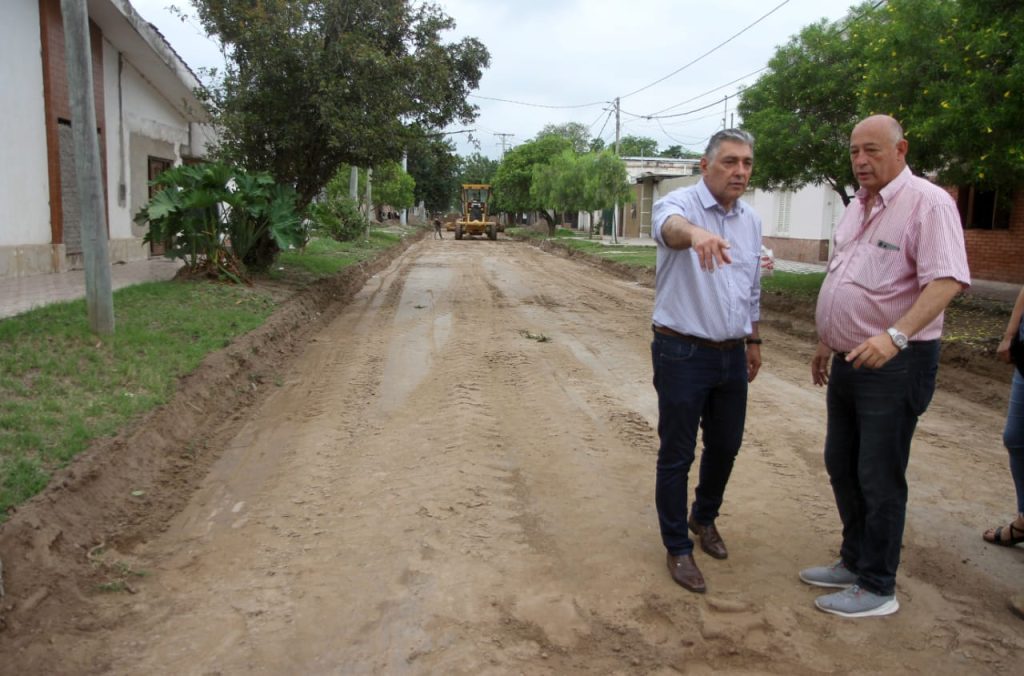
(148, 119)
(797, 225)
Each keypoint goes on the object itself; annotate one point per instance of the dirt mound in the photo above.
(123, 489)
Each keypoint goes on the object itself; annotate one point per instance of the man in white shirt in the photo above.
(706, 347)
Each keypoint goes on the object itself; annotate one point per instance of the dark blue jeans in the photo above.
(872, 414)
(1013, 437)
(698, 388)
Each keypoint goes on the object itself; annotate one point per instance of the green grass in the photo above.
(632, 255)
(798, 285)
(326, 257)
(61, 387)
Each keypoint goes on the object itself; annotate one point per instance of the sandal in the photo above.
(997, 535)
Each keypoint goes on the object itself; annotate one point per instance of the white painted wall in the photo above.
(809, 213)
(149, 114)
(118, 185)
(24, 182)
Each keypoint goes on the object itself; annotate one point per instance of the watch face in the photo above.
(898, 339)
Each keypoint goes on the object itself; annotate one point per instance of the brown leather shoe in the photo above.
(686, 574)
(710, 541)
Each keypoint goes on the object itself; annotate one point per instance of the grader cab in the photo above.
(476, 218)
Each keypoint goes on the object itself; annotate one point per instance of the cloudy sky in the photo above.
(557, 61)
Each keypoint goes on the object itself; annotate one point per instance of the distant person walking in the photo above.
(705, 348)
(898, 261)
(437, 228)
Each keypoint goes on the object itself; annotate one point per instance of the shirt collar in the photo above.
(708, 201)
(890, 189)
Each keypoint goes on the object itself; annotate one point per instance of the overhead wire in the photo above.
(709, 52)
(539, 105)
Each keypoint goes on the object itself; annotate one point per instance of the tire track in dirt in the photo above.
(435, 490)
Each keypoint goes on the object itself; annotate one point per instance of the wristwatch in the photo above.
(898, 339)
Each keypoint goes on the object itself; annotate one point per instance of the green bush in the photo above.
(337, 216)
(221, 219)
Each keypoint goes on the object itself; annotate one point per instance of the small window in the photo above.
(984, 209)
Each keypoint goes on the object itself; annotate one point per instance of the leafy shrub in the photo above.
(337, 216)
(221, 220)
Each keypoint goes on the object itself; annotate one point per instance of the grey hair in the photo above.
(737, 135)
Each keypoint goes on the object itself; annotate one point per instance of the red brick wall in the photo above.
(56, 103)
(998, 255)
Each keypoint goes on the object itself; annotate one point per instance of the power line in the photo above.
(710, 51)
(711, 91)
(610, 111)
(539, 105)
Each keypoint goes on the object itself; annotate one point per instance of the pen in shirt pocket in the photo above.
(887, 246)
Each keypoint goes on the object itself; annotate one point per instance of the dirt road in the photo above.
(456, 476)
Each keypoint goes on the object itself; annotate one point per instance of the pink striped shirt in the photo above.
(879, 264)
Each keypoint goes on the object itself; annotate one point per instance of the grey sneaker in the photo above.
(837, 575)
(857, 602)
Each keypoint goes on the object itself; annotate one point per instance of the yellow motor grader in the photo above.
(475, 218)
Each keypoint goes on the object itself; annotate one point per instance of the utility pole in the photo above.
(405, 168)
(353, 184)
(615, 214)
(503, 137)
(369, 200)
(725, 111)
(99, 299)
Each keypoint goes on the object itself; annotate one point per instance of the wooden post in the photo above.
(99, 298)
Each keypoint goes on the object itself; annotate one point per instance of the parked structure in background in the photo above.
(148, 119)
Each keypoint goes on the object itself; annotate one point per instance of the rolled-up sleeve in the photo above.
(669, 205)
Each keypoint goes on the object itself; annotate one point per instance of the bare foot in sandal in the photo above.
(1006, 536)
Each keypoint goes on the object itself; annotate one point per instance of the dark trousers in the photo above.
(698, 388)
(872, 414)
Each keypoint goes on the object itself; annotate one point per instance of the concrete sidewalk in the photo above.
(19, 294)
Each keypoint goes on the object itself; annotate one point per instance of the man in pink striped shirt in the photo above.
(898, 261)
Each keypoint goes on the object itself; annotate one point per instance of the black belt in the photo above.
(703, 342)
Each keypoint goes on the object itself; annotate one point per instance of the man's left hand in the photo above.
(873, 353)
(753, 362)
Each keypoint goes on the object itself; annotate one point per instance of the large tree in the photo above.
(477, 168)
(435, 167)
(588, 182)
(952, 71)
(801, 111)
(313, 84)
(680, 152)
(637, 146)
(576, 132)
(514, 177)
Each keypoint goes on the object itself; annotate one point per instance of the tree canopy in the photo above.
(801, 112)
(434, 166)
(637, 146)
(681, 153)
(514, 176)
(477, 169)
(959, 87)
(576, 133)
(951, 71)
(312, 84)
